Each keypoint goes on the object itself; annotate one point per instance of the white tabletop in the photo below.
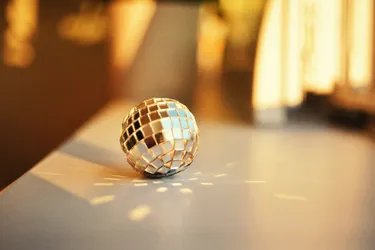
(292, 188)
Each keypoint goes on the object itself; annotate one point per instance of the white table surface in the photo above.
(298, 188)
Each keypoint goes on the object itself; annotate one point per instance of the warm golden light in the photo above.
(291, 62)
(212, 33)
(207, 183)
(300, 49)
(139, 213)
(291, 197)
(360, 66)
(103, 184)
(267, 84)
(129, 24)
(22, 18)
(140, 184)
(87, 27)
(162, 189)
(321, 45)
(176, 184)
(220, 175)
(111, 179)
(186, 191)
(241, 6)
(102, 200)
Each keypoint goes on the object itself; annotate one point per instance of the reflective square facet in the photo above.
(168, 135)
(172, 105)
(176, 122)
(163, 106)
(150, 142)
(144, 112)
(163, 170)
(181, 113)
(132, 157)
(167, 157)
(142, 147)
(157, 163)
(177, 133)
(143, 162)
(184, 123)
(147, 157)
(175, 165)
(130, 130)
(145, 120)
(142, 105)
(151, 170)
(147, 129)
(186, 134)
(135, 151)
(189, 146)
(154, 116)
(156, 126)
(178, 155)
(164, 113)
(157, 150)
(179, 144)
(139, 135)
(166, 123)
(140, 167)
(167, 146)
(159, 137)
(153, 108)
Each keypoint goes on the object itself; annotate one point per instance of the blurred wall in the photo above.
(155, 47)
(60, 83)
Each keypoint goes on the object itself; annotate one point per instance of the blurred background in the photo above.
(265, 63)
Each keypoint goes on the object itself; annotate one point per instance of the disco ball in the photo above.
(160, 137)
